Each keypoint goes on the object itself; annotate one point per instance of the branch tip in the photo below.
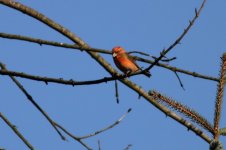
(196, 13)
(129, 110)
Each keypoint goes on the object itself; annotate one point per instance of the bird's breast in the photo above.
(125, 64)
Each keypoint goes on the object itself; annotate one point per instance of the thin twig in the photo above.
(166, 60)
(116, 92)
(219, 98)
(29, 97)
(79, 139)
(141, 53)
(178, 77)
(72, 136)
(13, 127)
(175, 69)
(108, 127)
(46, 80)
(128, 147)
(145, 54)
(51, 43)
(72, 82)
(177, 41)
(99, 146)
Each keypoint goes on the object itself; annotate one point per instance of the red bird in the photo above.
(125, 62)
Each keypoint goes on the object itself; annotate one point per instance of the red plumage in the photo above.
(125, 62)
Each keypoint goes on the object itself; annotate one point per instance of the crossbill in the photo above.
(125, 62)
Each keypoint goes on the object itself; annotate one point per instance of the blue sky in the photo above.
(147, 26)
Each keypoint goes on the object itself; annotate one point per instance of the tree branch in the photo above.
(13, 127)
(107, 128)
(61, 80)
(101, 61)
(128, 147)
(51, 43)
(177, 41)
(79, 139)
(75, 47)
(29, 97)
(175, 69)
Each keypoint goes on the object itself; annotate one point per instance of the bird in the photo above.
(125, 62)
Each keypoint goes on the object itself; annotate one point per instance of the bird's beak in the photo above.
(114, 54)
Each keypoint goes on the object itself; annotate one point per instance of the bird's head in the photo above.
(117, 50)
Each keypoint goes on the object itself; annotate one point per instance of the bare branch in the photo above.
(107, 128)
(72, 46)
(128, 147)
(31, 12)
(175, 69)
(166, 59)
(145, 54)
(29, 97)
(51, 43)
(141, 53)
(181, 84)
(72, 82)
(116, 92)
(177, 41)
(72, 136)
(53, 123)
(99, 146)
(102, 62)
(79, 139)
(46, 80)
(13, 127)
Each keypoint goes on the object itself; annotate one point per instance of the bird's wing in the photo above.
(132, 60)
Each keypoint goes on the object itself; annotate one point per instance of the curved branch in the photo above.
(51, 43)
(175, 69)
(79, 139)
(72, 82)
(52, 122)
(30, 98)
(59, 80)
(109, 127)
(13, 127)
(102, 61)
(128, 147)
(177, 41)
